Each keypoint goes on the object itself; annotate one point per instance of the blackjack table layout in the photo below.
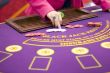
(77, 50)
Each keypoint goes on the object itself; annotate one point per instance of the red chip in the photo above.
(34, 34)
(74, 26)
(95, 24)
(29, 34)
(78, 26)
(68, 26)
(81, 25)
(90, 22)
(98, 24)
(40, 34)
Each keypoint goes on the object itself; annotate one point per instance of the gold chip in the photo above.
(45, 52)
(105, 45)
(13, 48)
(80, 50)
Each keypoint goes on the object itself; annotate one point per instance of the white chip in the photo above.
(13, 48)
(55, 30)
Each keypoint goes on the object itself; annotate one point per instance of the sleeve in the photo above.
(3, 3)
(105, 4)
(41, 7)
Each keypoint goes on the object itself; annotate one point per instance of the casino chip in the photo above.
(13, 48)
(105, 45)
(68, 26)
(78, 26)
(34, 34)
(74, 26)
(94, 24)
(80, 50)
(45, 52)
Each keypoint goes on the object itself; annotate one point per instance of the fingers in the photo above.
(55, 18)
(60, 18)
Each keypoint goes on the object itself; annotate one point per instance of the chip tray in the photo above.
(29, 23)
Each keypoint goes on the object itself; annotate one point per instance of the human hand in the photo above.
(55, 18)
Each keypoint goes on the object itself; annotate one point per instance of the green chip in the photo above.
(62, 14)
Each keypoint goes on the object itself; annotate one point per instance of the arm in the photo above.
(105, 4)
(41, 7)
(3, 3)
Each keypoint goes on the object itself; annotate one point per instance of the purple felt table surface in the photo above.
(63, 61)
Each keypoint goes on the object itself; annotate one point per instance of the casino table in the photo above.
(27, 60)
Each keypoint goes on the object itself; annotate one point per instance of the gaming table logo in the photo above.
(3, 3)
(74, 39)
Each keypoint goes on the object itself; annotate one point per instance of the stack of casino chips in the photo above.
(94, 24)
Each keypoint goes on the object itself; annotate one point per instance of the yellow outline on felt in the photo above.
(20, 11)
(5, 57)
(90, 67)
(107, 72)
(30, 39)
(44, 69)
(82, 41)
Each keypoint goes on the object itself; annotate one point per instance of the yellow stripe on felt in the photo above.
(20, 11)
